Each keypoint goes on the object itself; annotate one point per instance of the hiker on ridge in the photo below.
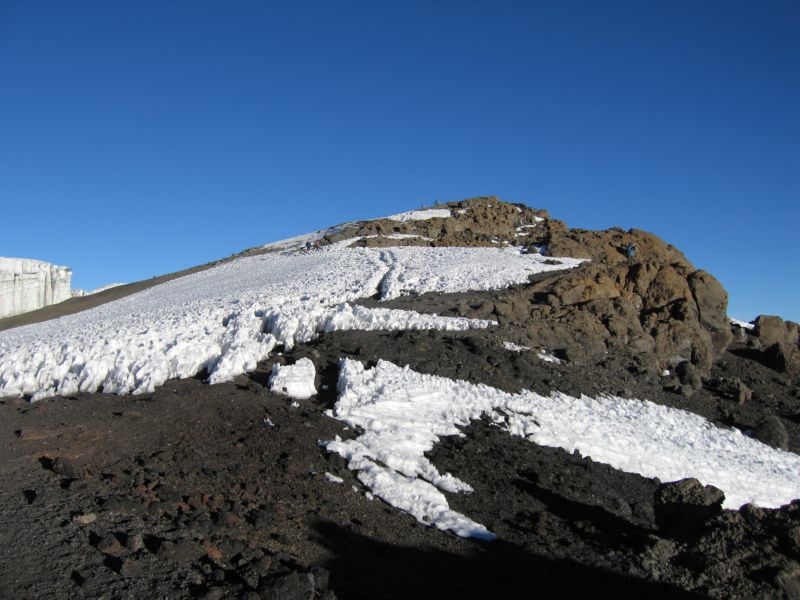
(630, 252)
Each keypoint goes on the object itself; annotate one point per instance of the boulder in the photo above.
(741, 392)
(771, 330)
(777, 356)
(712, 304)
(660, 305)
(772, 432)
(682, 507)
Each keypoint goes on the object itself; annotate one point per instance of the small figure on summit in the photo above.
(630, 252)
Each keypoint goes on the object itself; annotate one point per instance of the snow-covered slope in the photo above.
(403, 414)
(27, 284)
(228, 318)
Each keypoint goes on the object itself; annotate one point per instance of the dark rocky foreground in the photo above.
(220, 491)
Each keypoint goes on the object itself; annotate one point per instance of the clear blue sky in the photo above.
(137, 138)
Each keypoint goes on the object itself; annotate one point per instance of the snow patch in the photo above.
(742, 324)
(548, 357)
(421, 215)
(295, 381)
(333, 478)
(514, 347)
(81, 292)
(404, 413)
(459, 269)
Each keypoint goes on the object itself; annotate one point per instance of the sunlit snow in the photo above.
(742, 324)
(228, 318)
(421, 215)
(404, 413)
(295, 381)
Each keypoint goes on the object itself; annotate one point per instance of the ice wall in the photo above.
(27, 284)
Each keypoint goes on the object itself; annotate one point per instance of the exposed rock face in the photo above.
(484, 221)
(779, 341)
(655, 306)
(26, 285)
(658, 305)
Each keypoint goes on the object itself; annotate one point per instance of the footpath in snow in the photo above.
(404, 413)
(228, 318)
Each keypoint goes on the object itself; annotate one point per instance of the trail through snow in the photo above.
(228, 318)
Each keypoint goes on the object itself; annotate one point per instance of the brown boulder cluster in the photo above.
(476, 222)
(655, 308)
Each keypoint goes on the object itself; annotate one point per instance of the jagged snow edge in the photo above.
(228, 318)
(403, 414)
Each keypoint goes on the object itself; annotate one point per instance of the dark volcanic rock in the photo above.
(780, 340)
(771, 329)
(773, 432)
(682, 507)
(777, 357)
(660, 309)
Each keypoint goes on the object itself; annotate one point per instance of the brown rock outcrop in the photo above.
(656, 308)
(660, 308)
(780, 342)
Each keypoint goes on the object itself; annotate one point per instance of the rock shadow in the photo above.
(365, 568)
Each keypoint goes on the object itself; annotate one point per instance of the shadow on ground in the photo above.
(363, 568)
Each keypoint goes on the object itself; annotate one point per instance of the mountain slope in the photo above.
(190, 489)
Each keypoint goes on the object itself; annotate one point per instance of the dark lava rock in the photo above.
(777, 357)
(67, 468)
(688, 375)
(130, 568)
(182, 552)
(261, 518)
(134, 542)
(773, 432)
(771, 330)
(110, 545)
(685, 505)
(290, 586)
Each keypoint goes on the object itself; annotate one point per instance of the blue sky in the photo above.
(138, 138)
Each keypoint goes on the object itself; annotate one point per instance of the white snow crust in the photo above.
(227, 318)
(515, 347)
(333, 478)
(742, 324)
(103, 288)
(295, 381)
(421, 215)
(548, 357)
(392, 236)
(404, 413)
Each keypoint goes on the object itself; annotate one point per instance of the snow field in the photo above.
(228, 318)
(459, 270)
(404, 413)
